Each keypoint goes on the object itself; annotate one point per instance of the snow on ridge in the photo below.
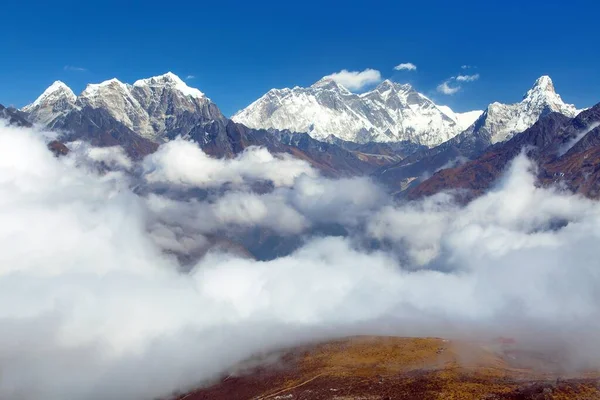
(56, 90)
(171, 80)
(389, 112)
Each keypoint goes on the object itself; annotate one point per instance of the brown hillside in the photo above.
(405, 368)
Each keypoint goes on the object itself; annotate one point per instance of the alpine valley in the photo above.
(170, 252)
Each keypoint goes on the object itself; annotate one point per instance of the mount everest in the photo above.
(389, 113)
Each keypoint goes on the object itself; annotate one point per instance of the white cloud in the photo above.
(355, 80)
(467, 66)
(405, 66)
(445, 88)
(190, 77)
(110, 309)
(183, 162)
(467, 78)
(73, 68)
(450, 87)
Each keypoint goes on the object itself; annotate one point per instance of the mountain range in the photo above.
(389, 113)
(566, 151)
(392, 132)
(498, 123)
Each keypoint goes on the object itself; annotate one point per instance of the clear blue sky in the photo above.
(237, 50)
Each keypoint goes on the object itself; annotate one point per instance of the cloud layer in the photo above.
(94, 303)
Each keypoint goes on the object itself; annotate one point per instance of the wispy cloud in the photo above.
(445, 88)
(452, 86)
(467, 66)
(190, 77)
(467, 78)
(355, 80)
(405, 67)
(74, 68)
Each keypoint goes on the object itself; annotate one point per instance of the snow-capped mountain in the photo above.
(56, 102)
(501, 122)
(152, 108)
(389, 113)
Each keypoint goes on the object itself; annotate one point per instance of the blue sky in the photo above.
(237, 50)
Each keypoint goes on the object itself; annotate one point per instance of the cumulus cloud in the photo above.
(406, 67)
(183, 162)
(355, 80)
(467, 78)
(446, 88)
(94, 305)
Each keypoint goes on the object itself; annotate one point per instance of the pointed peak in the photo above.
(329, 84)
(169, 80)
(543, 81)
(542, 85)
(57, 85)
(58, 90)
(324, 83)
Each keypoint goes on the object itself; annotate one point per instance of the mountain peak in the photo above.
(172, 81)
(544, 81)
(94, 89)
(58, 90)
(328, 83)
(543, 85)
(389, 84)
(502, 121)
(388, 113)
(57, 85)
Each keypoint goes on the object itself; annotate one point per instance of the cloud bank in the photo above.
(94, 303)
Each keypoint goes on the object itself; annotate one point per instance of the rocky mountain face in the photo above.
(54, 104)
(498, 123)
(567, 151)
(156, 108)
(141, 116)
(390, 113)
(13, 116)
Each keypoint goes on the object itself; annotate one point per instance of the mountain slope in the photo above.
(368, 367)
(567, 151)
(156, 108)
(141, 116)
(13, 117)
(389, 113)
(498, 123)
(501, 121)
(56, 102)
